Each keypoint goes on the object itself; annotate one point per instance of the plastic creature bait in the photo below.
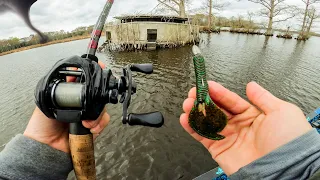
(205, 117)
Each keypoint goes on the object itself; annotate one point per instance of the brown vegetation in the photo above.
(205, 29)
(46, 44)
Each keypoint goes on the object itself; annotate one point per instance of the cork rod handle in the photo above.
(82, 152)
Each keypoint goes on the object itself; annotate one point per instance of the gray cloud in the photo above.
(69, 14)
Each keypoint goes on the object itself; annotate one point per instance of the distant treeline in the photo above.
(233, 22)
(15, 43)
(297, 32)
(237, 23)
(198, 19)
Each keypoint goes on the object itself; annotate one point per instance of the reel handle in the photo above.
(154, 119)
(142, 68)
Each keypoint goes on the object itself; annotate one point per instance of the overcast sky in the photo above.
(69, 14)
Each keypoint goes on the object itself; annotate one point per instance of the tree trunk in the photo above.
(311, 21)
(182, 9)
(304, 19)
(269, 30)
(210, 15)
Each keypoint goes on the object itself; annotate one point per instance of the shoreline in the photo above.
(46, 44)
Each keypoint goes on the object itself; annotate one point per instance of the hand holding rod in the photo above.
(72, 102)
(85, 99)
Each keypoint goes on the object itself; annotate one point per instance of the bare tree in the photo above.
(250, 16)
(210, 14)
(312, 15)
(240, 17)
(217, 5)
(209, 6)
(178, 6)
(272, 9)
(304, 24)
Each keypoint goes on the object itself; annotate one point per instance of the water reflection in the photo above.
(265, 43)
(294, 59)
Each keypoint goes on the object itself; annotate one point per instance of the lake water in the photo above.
(287, 68)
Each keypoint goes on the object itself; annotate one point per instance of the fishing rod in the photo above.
(73, 102)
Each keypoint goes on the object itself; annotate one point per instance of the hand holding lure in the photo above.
(205, 117)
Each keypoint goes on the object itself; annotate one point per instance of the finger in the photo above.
(188, 104)
(227, 99)
(262, 98)
(102, 124)
(102, 65)
(71, 78)
(91, 124)
(193, 93)
(185, 124)
(101, 118)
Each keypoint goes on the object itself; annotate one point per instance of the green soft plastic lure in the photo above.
(205, 117)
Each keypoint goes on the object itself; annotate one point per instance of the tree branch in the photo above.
(177, 3)
(168, 6)
(279, 10)
(220, 6)
(263, 12)
(262, 2)
(313, 1)
(292, 16)
(279, 1)
(312, 14)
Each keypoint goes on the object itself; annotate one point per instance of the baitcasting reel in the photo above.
(85, 99)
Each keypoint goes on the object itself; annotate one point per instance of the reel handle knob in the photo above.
(143, 68)
(154, 119)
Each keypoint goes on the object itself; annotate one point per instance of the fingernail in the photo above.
(95, 130)
(92, 131)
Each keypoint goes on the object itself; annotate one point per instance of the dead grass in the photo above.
(46, 44)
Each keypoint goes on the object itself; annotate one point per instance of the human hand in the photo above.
(253, 130)
(55, 133)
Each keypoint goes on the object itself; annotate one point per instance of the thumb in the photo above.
(262, 98)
